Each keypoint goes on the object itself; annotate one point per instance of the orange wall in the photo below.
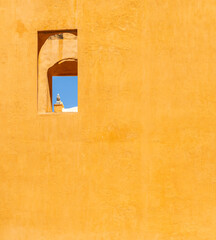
(138, 160)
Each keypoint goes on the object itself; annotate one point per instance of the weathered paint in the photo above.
(137, 162)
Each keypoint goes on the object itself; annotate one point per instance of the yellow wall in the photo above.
(137, 162)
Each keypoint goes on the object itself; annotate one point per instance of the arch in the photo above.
(57, 55)
(65, 67)
(44, 35)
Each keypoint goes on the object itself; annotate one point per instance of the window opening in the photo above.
(57, 59)
(64, 94)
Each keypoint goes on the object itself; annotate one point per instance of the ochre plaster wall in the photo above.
(137, 162)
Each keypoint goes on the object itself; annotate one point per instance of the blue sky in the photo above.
(67, 87)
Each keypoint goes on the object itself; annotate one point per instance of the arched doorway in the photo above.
(65, 67)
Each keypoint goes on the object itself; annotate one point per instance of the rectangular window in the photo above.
(57, 71)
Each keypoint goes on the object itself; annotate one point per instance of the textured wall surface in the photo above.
(137, 162)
